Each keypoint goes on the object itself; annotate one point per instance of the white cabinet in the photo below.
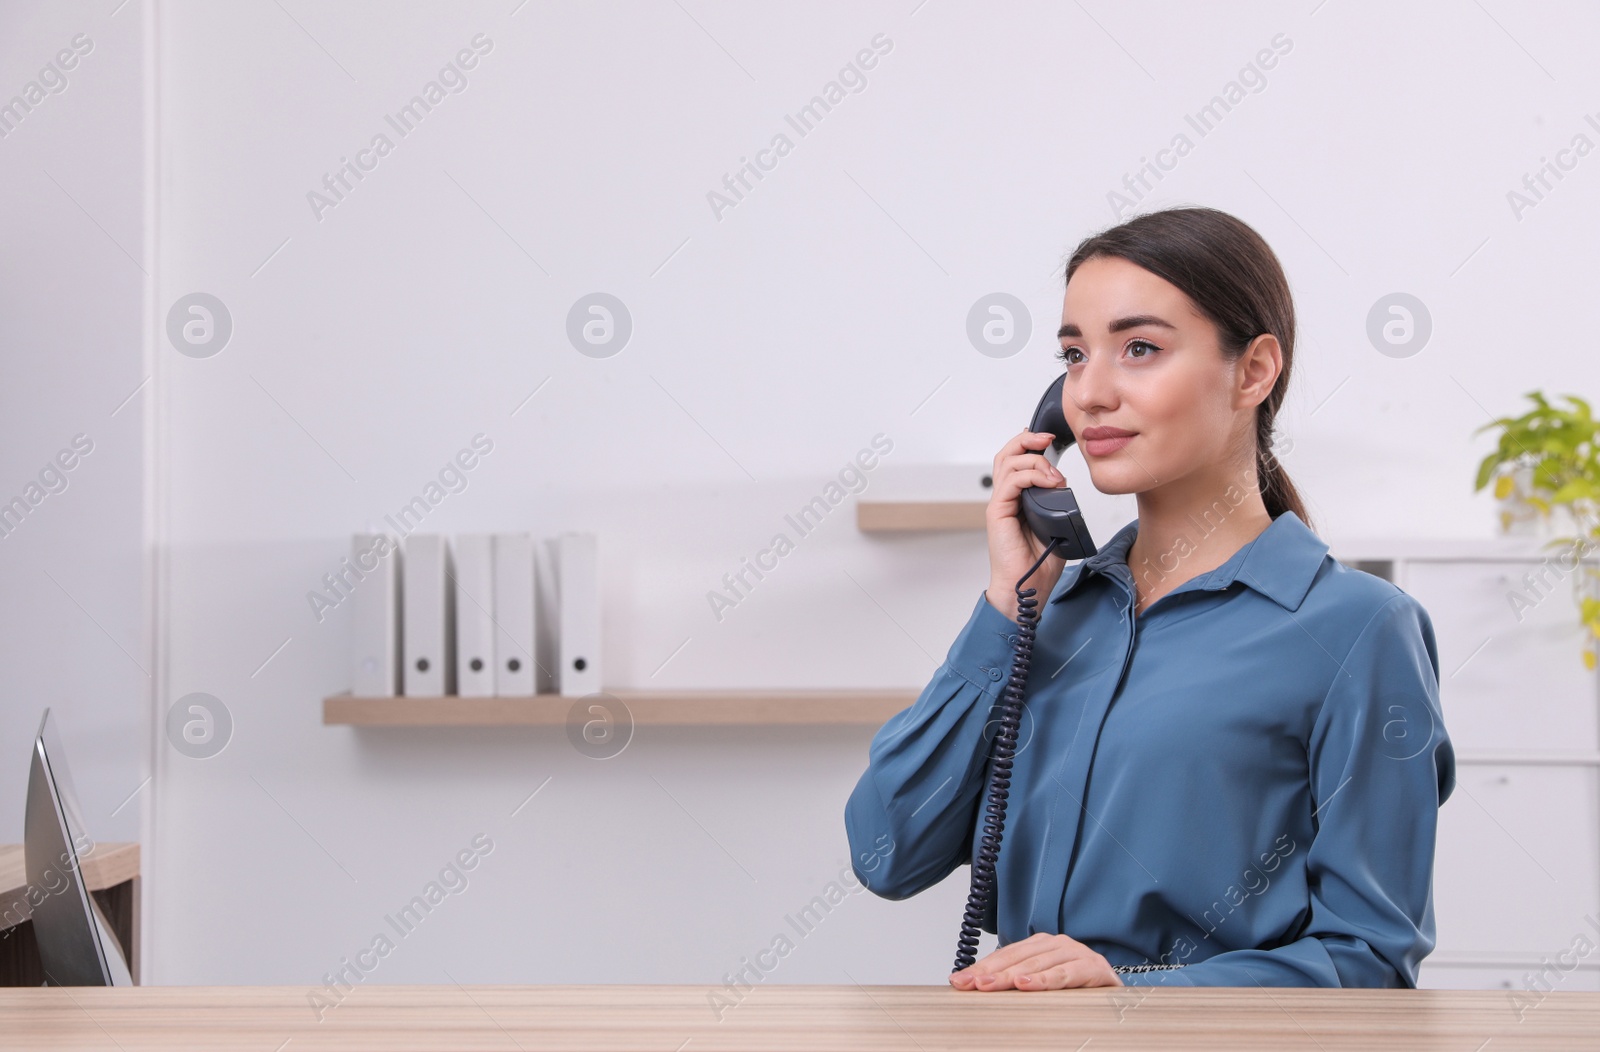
(1506, 684)
(1517, 863)
(1489, 976)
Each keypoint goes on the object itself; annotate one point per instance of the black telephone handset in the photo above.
(1054, 517)
(1053, 513)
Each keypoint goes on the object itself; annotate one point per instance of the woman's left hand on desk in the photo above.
(1039, 962)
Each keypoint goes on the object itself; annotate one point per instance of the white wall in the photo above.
(372, 341)
(72, 273)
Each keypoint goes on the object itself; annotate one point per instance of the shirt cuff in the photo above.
(983, 652)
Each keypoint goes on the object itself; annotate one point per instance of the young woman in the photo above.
(1232, 754)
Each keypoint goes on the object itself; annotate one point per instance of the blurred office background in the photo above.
(377, 324)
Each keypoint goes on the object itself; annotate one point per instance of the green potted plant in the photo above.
(1547, 465)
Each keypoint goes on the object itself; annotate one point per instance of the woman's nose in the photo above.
(1093, 389)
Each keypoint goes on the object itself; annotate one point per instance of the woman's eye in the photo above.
(1066, 354)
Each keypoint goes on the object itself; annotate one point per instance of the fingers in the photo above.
(1036, 975)
(1006, 956)
(1021, 464)
(1023, 442)
(1070, 975)
(1035, 470)
(1011, 953)
(1039, 962)
(1007, 977)
(1024, 974)
(1022, 448)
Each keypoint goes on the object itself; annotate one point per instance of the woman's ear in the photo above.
(1257, 370)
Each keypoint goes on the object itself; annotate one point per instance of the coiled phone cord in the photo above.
(1005, 747)
(1004, 750)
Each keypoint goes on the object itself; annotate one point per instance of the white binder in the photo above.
(578, 588)
(474, 601)
(515, 650)
(427, 623)
(375, 616)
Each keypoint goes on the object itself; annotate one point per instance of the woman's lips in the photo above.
(1101, 447)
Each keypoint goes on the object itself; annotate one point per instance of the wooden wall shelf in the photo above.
(883, 516)
(867, 708)
(111, 875)
(106, 865)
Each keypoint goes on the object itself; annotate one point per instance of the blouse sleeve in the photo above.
(1380, 766)
(913, 813)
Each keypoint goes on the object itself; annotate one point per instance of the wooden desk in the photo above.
(112, 874)
(869, 1018)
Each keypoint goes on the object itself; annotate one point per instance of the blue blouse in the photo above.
(1244, 779)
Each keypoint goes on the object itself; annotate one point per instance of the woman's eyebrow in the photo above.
(1131, 322)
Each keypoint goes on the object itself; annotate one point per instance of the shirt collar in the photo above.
(1280, 563)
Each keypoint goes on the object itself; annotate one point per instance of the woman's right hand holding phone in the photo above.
(1013, 546)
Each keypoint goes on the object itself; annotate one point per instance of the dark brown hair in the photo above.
(1233, 278)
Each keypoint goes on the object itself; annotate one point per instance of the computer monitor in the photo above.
(76, 944)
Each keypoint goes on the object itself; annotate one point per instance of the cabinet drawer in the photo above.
(1506, 684)
(1517, 863)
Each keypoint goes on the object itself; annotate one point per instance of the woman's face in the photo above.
(1140, 358)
